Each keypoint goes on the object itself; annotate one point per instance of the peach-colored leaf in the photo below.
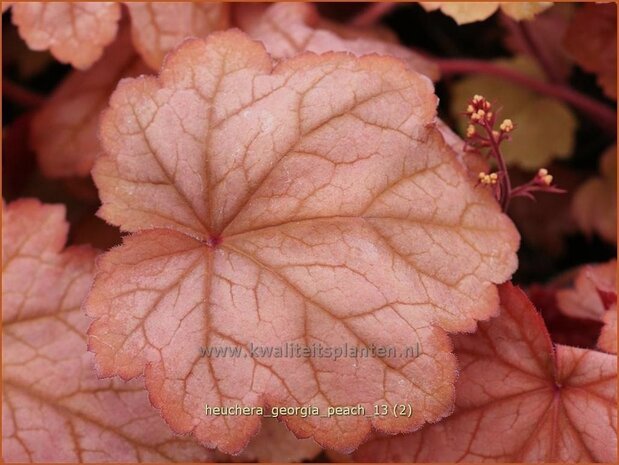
(287, 29)
(74, 32)
(314, 202)
(594, 205)
(563, 329)
(608, 335)
(594, 296)
(591, 39)
(159, 27)
(583, 300)
(65, 130)
(54, 407)
(518, 399)
(275, 444)
(469, 12)
(524, 10)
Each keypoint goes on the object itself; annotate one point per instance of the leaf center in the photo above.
(213, 240)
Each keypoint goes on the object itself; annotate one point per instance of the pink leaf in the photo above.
(77, 32)
(584, 299)
(594, 205)
(563, 329)
(608, 335)
(74, 32)
(54, 407)
(159, 27)
(591, 40)
(275, 444)
(65, 130)
(310, 203)
(287, 29)
(469, 12)
(518, 399)
(594, 296)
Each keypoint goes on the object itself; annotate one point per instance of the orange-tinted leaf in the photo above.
(469, 12)
(287, 29)
(65, 130)
(54, 407)
(591, 39)
(463, 13)
(518, 399)
(74, 32)
(608, 335)
(311, 203)
(275, 444)
(594, 296)
(584, 299)
(563, 329)
(159, 27)
(595, 202)
(524, 10)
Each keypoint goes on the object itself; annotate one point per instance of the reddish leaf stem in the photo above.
(522, 30)
(17, 94)
(481, 115)
(372, 14)
(600, 113)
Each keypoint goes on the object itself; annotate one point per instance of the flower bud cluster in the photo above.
(484, 139)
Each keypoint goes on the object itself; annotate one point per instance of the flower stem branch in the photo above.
(506, 186)
(487, 143)
(600, 113)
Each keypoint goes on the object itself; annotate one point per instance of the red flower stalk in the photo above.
(483, 139)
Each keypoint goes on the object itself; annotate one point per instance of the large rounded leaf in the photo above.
(313, 203)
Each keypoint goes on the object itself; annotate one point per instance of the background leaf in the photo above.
(54, 407)
(74, 32)
(518, 399)
(544, 127)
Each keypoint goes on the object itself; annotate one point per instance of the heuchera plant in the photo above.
(280, 179)
(247, 247)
